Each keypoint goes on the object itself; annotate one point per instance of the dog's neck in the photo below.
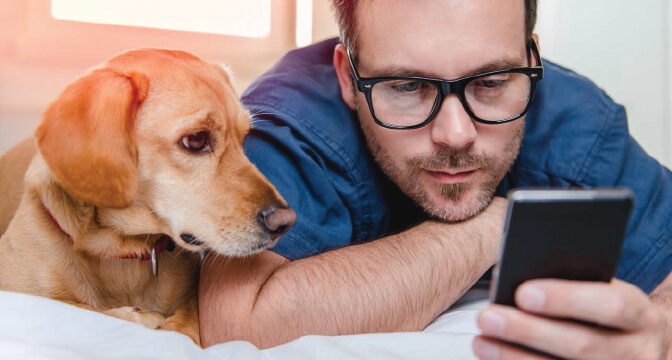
(164, 243)
(128, 233)
(53, 219)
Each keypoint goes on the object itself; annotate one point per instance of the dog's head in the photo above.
(165, 130)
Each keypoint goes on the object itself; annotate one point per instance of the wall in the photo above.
(623, 46)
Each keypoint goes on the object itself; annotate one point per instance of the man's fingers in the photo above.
(565, 339)
(618, 304)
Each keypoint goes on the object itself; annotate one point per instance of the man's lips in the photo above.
(451, 177)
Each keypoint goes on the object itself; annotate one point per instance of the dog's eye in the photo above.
(198, 142)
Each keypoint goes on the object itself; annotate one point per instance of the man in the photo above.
(415, 164)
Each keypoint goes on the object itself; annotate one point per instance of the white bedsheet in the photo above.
(38, 328)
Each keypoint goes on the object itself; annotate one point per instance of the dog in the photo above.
(141, 154)
(13, 166)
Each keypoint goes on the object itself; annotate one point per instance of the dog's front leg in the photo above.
(185, 320)
(150, 319)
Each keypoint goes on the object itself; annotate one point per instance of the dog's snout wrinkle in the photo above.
(277, 220)
(191, 239)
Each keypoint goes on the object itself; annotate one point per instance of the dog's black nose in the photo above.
(277, 220)
(191, 239)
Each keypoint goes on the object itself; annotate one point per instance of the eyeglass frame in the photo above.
(447, 87)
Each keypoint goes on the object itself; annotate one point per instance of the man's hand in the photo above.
(631, 325)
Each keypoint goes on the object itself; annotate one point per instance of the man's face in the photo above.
(452, 166)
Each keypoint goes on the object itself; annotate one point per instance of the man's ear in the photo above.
(535, 37)
(345, 80)
(87, 137)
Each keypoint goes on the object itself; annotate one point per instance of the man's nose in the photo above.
(452, 126)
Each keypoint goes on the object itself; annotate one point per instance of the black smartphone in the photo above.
(562, 234)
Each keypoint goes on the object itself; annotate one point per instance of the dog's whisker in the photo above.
(263, 113)
(259, 122)
(228, 259)
(207, 256)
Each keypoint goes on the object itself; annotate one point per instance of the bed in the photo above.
(38, 328)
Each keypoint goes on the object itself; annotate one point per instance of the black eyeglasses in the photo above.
(410, 102)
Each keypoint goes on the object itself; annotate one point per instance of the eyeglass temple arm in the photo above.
(532, 45)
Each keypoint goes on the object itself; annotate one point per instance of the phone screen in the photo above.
(563, 234)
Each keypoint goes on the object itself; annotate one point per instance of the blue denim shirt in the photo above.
(307, 142)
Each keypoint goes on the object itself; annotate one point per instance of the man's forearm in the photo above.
(399, 283)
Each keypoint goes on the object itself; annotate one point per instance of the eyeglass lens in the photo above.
(409, 102)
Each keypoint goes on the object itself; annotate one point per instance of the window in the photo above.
(249, 18)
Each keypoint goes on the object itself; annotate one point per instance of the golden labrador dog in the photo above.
(145, 148)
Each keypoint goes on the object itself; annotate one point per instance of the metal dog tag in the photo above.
(154, 261)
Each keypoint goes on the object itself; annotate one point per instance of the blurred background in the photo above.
(624, 46)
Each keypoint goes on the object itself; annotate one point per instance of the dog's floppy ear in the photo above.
(87, 137)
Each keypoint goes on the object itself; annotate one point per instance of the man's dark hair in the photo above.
(345, 15)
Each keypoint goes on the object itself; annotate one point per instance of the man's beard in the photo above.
(494, 168)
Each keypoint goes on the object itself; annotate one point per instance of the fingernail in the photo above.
(531, 298)
(485, 350)
(491, 323)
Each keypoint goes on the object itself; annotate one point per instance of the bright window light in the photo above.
(249, 18)
(304, 22)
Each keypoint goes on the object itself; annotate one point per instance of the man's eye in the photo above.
(490, 84)
(493, 82)
(408, 86)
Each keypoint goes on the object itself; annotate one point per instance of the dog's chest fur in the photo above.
(37, 258)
